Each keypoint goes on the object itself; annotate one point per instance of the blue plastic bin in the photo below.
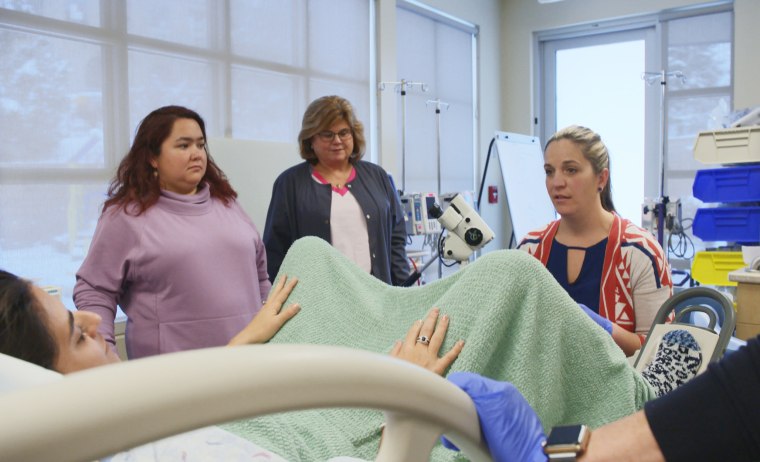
(733, 224)
(732, 184)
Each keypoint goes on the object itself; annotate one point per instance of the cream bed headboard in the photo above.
(252, 167)
(102, 411)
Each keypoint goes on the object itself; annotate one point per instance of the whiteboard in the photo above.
(522, 167)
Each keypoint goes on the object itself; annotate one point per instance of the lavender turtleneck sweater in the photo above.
(189, 273)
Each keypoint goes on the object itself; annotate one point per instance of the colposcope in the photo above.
(466, 232)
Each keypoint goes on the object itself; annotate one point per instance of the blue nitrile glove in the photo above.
(605, 323)
(510, 427)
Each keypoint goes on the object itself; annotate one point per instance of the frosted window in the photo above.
(266, 105)
(71, 96)
(158, 80)
(55, 84)
(77, 11)
(188, 22)
(338, 47)
(439, 55)
(45, 230)
(700, 47)
(258, 32)
(686, 117)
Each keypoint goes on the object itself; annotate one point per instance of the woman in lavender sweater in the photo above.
(173, 248)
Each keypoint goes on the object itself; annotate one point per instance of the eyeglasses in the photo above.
(327, 135)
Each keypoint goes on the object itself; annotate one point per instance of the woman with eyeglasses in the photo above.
(336, 196)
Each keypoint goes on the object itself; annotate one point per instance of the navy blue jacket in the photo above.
(300, 207)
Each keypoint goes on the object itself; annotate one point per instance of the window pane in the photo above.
(266, 105)
(46, 229)
(593, 84)
(700, 47)
(56, 84)
(180, 21)
(440, 56)
(268, 31)
(415, 45)
(78, 11)
(158, 80)
(702, 65)
(454, 80)
(356, 94)
(421, 160)
(456, 149)
(339, 45)
(686, 118)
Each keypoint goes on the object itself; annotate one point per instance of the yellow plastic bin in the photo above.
(712, 267)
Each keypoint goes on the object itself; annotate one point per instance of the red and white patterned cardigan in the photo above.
(636, 277)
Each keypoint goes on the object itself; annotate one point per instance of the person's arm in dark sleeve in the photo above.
(716, 415)
(278, 236)
(399, 262)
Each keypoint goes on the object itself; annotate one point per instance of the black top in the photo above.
(716, 415)
(586, 288)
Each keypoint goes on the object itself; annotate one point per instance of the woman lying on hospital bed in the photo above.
(37, 328)
(524, 329)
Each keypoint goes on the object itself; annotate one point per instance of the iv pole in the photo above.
(660, 207)
(402, 85)
(438, 105)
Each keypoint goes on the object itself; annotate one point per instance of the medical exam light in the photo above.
(466, 233)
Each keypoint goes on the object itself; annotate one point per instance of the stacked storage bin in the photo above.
(738, 222)
(736, 188)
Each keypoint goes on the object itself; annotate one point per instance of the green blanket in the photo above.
(517, 322)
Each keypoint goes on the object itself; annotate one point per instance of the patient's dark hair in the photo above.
(24, 332)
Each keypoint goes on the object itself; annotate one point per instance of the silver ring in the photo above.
(423, 339)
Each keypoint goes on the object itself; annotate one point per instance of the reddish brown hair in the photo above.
(135, 184)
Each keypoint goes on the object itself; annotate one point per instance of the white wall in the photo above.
(746, 62)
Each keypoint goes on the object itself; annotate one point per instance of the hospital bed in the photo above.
(98, 412)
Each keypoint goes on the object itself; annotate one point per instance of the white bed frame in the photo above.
(102, 411)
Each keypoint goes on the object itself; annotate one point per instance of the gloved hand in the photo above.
(605, 323)
(510, 427)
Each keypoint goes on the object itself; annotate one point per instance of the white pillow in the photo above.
(16, 374)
